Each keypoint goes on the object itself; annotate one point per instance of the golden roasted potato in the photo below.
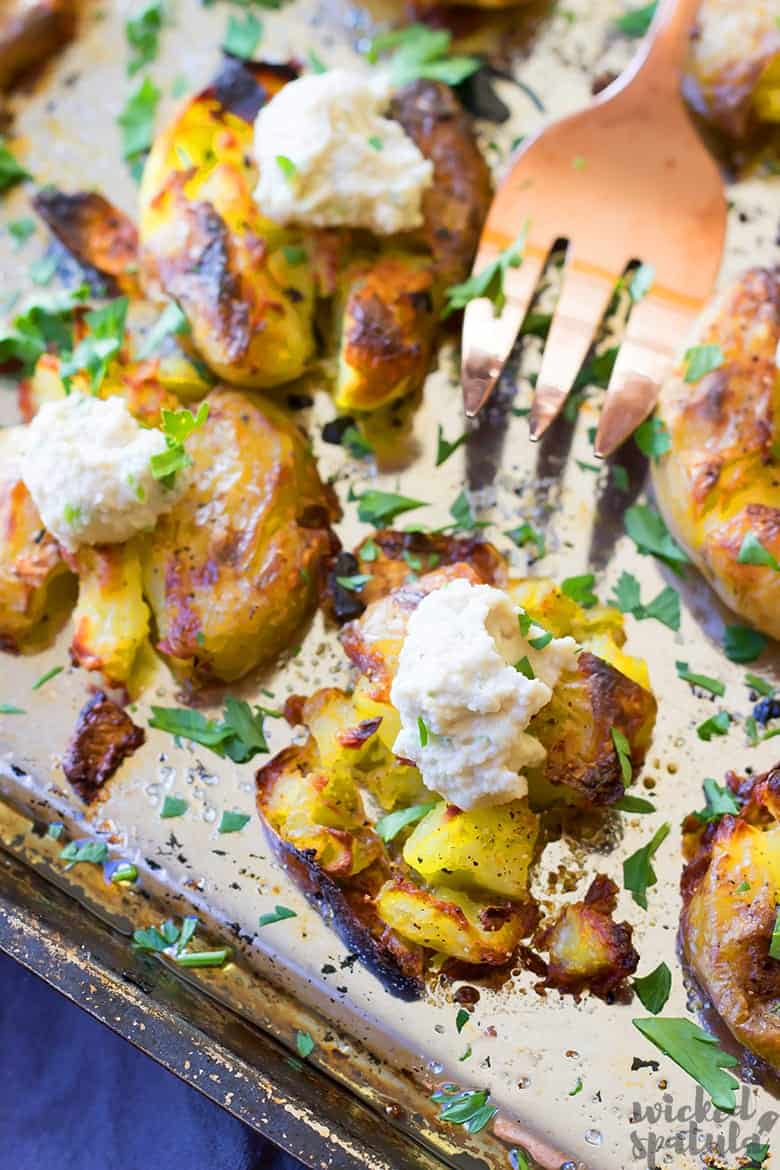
(731, 892)
(204, 241)
(34, 579)
(450, 922)
(111, 618)
(392, 557)
(719, 484)
(231, 571)
(487, 849)
(318, 813)
(734, 64)
(586, 948)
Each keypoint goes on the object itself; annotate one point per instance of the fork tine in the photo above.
(644, 359)
(585, 294)
(488, 339)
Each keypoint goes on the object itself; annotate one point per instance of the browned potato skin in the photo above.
(30, 562)
(721, 477)
(586, 948)
(389, 569)
(95, 232)
(229, 593)
(726, 930)
(581, 755)
(456, 206)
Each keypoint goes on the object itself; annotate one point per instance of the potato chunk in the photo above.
(486, 849)
(111, 619)
(450, 922)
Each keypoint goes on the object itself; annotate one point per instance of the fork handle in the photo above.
(662, 55)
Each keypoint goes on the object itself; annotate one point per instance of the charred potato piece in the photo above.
(586, 948)
(31, 566)
(719, 483)
(318, 813)
(104, 736)
(734, 64)
(111, 618)
(31, 31)
(488, 850)
(97, 234)
(389, 558)
(248, 298)
(451, 922)
(231, 571)
(731, 890)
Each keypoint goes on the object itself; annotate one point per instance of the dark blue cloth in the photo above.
(74, 1095)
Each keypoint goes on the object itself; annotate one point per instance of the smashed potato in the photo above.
(718, 486)
(731, 891)
(734, 64)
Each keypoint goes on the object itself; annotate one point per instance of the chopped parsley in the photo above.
(95, 352)
(664, 608)
(421, 52)
(46, 324)
(652, 438)
(461, 1019)
(357, 444)
(177, 425)
(20, 231)
(638, 872)
(636, 21)
(489, 282)
(539, 641)
(170, 940)
(278, 914)
(390, 825)
(653, 989)
(577, 1088)
(701, 360)
(422, 731)
(633, 804)
(78, 852)
(242, 36)
(375, 142)
(715, 725)
(315, 63)
(466, 1107)
(713, 685)
(11, 170)
(238, 735)
(354, 583)
(444, 448)
(524, 667)
(369, 550)
(286, 166)
(143, 35)
(233, 822)
(49, 674)
(695, 1051)
(752, 552)
(379, 508)
(173, 806)
(742, 644)
(524, 534)
(720, 802)
(294, 254)
(759, 685)
(9, 709)
(124, 871)
(649, 533)
(580, 589)
(136, 123)
(304, 1045)
(774, 944)
(623, 751)
(170, 323)
(463, 514)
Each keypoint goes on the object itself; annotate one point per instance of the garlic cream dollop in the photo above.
(457, 687)
(328, 158)
(86, 463)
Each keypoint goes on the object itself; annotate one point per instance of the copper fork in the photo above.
(626, 179)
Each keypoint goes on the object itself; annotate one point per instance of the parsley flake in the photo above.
(715, 725)
(489, 282)
(652, 438)
(421, 52)
(580, 589)
(233, 822)
(636, 21)
(638, 872)
(623, 752)
(742, 644)
(695, 1051)
(242, 36)
(653, 989)
(278, 914)
(713, 685)
(390, 825)
(177, 425)
(649, 533)
(143, 35)
(422, 731)
(701, 360)
(304, 1045)
(173, 806)
(49, 674)
(633, 804)
(469, 1108)
(137, 123)
(721, 802)
(444, 448)
(286, 166)
(524, 534)
(11, 171)
(380, 508)
(753, 552)
(238, 735)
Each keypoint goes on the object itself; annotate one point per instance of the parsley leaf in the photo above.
(242, 36)
(422, 731)
(523, 666)
(177, 425)
(720, 802)
(580, 589)
(77, 852)
(526, 534)
(278, 914)
(653, 989)
(695, 1051)
(389, 826)
(713, 685)
(173, 806)
(636, 21)
(664, 608)
(652, 438)
(379, 508)
(759, 685)
(137, 121)
(701, 360)
(421, 51)
(649, 533)
(638, 872)
(11, 171)
(143, 35)
(10, 709)
(20, 231)
(752, 552)
(463, 514)
(774, 944)
(357, 444)
(171, 321)
(444, 448)
(623, 751)
(233, 822)
(238, 736)
(633, 804)
(286, 166)
(95, 352)
(489, 282)
(715, 725)
(742, 644)
(461, 1019)
(45, 324)
(304, 1045)
(465, 1107)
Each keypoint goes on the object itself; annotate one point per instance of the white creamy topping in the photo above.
(457, 674)
(85, 462)
(342, 163)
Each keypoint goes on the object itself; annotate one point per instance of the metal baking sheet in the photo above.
(528, 1051)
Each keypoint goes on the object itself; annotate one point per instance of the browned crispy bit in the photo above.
(455, 205)
(587, 950)
(104, 736)
(31, 31)
(404, 554)
(96, 233)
